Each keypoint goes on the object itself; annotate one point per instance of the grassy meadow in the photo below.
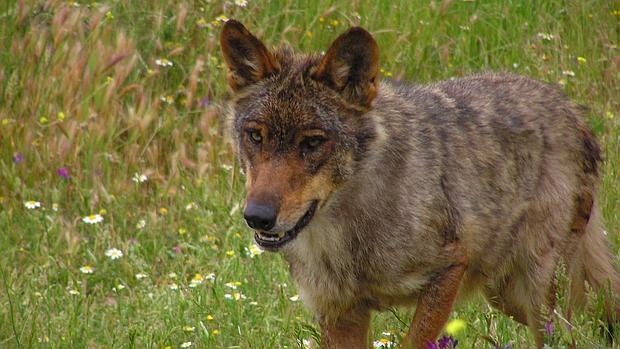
(120, 219)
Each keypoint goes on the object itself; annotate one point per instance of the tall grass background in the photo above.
(95, 93)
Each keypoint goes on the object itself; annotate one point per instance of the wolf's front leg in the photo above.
(433, 308)
(349, 331)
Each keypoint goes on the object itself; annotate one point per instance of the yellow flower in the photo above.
(455, 326)
(321, 19)
(309, 34)
(87, 269)
(60, 116)
(188, 328)
(335, 23)
(215, 332)
(609, 115)
(210, 318)
(581, 60)
(182, 231)
(163, 211)
(103, 211)
(230, 253)
(43, 120)
(5, 122)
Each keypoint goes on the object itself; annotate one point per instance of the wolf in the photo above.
(382, 194)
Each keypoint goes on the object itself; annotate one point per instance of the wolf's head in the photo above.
(298, 124)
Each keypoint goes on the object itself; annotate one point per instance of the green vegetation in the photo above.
(92, 94)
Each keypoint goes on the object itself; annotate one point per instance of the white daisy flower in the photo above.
(139, 178)
(141, 224)
(241, 3)
(74, 292)
(31, 205)
(186, 344)
(295, 298)
(163, 62)
(254, 250)
(93, 219)
(87, 269)
(114, 253)
(141, 276)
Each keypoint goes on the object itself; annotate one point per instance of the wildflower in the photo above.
(545, 36)
(87, 269)
(568, 73)
(383, 343)
(321, 19)
(230, 253)
(335, 23)
(186, 344)
(114, 253)
(60, 116)
(236, 296)
(233, 285)
(253, 250)
(177, 249)
(141, 276)
(139, 178)
(455, 326)
(17, 158)
(43, 120)
(31, 205)
(609, 115)
(163, 211)
(172, 275)
(221, 18)
(581, 60)
(198, 279)
(93, 219)
(163, 62)
(549, 328)
(215, 332)
(141, 224)
(173, 286)
(182, 231)
(295, 298)
(190, 206)
(5, 122)
(74, 292)
(446, 342)
(205, 101)
(188, 328)
(241, 3)
(210, 318)
(309, 34)
(108, 80)
(118, 287)
(202, 23)
(63, 172)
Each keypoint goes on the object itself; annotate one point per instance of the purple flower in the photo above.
(63, 172)
(17, 158)
(447, 342)
(177, 249)
(205, 101)
(549, 328)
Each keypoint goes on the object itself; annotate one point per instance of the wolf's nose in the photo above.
(261, 217)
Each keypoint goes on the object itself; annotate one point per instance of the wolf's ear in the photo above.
(247, 58)
(351, 65)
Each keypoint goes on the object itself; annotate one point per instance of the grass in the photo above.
(81, 89)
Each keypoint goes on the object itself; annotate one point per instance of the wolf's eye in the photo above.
(255, 136)
(311, 144)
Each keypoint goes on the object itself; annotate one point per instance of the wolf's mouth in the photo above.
(273, 242)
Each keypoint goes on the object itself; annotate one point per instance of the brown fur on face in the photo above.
(483, 183)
